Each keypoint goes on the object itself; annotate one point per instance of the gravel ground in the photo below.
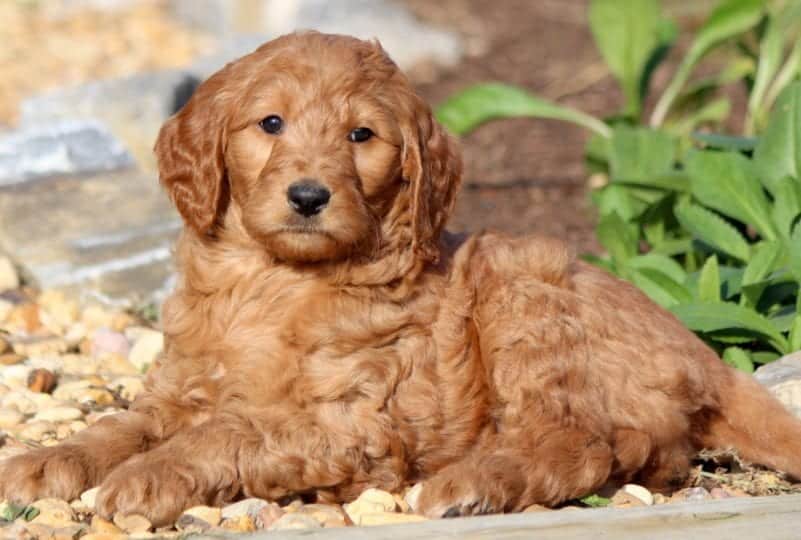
(65, 365)
(46, 45)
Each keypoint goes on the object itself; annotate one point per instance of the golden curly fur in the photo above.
(364, 346)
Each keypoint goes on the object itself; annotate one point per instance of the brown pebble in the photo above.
(535, 508)
(4, 346)
(9, 359)
(133, 523)
(268, 515)
(25, 316)
(100, 525)
(42, 381)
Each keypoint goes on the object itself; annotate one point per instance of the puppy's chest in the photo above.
(319, 345)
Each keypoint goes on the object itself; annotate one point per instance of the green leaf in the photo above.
(709, 281)
(10, 512)
(786, 205)
(618, 237)
(627, 33)
(771, 50)
(616, 198)
(738, 358)
(661, 263)
(765, 357)
(778, 154)
(596, 501)
(660, 287)
(726, 142)
(726, 181)
(766, 258)
(30, 513)
(794, 249)
(795, 334)
(638, 154)
(726, 316)
(714, 113)
(466, 110)
(730, 19)
(712, 230)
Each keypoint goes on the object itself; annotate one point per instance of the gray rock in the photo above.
(783, 379)
(133, 108)
(241, 24)
(58, 148)
(108, 234)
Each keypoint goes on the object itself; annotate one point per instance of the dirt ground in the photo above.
(525, 176)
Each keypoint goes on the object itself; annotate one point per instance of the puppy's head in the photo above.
(321, 145)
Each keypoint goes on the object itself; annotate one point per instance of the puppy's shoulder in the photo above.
(530, 257)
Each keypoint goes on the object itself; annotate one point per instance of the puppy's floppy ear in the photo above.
(432, 163)
(190, 156)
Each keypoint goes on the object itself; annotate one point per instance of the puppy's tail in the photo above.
(754, 423)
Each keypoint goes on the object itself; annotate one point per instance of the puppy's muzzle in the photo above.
(307, 197)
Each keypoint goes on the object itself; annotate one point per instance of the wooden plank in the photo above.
(730, 519)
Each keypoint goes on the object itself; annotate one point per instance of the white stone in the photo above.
(9, 278)
(640, 492)
(250, 507)
(59, 414)
(89, 497)
(146, 349)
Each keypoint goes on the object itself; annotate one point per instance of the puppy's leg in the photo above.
(753, 422)
(509, 473)
(195, 466)
(64, 471)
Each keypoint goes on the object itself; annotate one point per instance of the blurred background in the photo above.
(87, 83)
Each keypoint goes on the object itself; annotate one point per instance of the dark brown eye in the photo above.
(272, 124)
(360, 134)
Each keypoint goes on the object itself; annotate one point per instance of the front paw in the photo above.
(444, 497)
(158, 488)
(61, 472)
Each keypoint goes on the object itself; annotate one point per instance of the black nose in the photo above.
(307, 197)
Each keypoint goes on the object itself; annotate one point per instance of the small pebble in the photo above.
(59, 414)
(268, 515)
(106, 341)
(691, 495)
(100, 525)
(10, 358)
(241, 523)
(127, 387)
(89, 496)
(387, 518)
(10, 418)
(54, 513)
(40, 346)
(41, 380)
(133, 523)
(327, 515)
(246, 507)
(199, 519)
(640, 492)
(371, 501)
(621, 499)
(9, 278)
(412, 495)
(294, 521)
(146, 349)
(38, 431)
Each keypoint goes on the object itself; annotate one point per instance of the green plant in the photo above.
(706, 224)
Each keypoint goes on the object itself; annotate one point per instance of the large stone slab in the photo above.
(783, 379)
(107, 234)
(408, 40)
(59, 147)
(133, 108)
